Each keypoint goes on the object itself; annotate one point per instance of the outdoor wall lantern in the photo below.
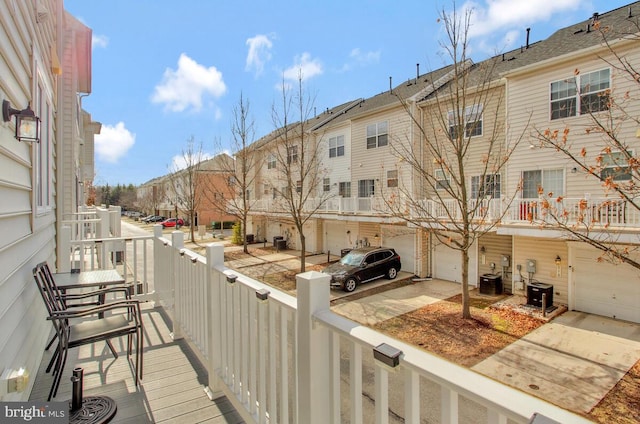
(558, 260)
(27, 123)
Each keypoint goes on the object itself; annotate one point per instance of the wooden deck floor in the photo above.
(172, 389)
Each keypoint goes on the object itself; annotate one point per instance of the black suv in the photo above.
(362, 265)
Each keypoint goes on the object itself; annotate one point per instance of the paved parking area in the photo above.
(572, 361)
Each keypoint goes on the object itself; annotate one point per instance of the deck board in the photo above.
(172, 388)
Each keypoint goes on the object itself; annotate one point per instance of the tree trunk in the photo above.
(303, 248)
(466, 310)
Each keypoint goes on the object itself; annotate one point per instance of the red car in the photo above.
(172, 222)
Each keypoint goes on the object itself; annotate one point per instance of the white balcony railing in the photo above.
(131, 256)
(281, 359)
(592, 212)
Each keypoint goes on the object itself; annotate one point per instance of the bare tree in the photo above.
(604, 151)
(450, 182)
(298, 159)
(185, 182)
(233, 197)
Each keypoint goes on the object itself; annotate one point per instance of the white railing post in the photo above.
(64, 250)
(103, 226)
(115, 213)
(215, 257)
(158, 265)
(177, 242)
(312, 349)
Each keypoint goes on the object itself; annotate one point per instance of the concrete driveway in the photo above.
(572, 361)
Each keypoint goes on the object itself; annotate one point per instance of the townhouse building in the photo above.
(575, 83)
(46, 62)
(168, 195)
(367, 184)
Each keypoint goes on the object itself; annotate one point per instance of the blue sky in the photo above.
(166, 71)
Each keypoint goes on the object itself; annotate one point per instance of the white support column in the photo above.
(215, 257)
(313, 349)
(63, 254)
(177, 242)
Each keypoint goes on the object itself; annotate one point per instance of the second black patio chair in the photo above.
(83, 326)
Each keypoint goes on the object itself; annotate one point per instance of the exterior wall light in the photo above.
(27, 123)
(558, 260)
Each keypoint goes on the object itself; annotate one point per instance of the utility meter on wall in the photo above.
(531, 266)
(505, 261)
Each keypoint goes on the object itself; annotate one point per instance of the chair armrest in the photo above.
(78, 296)
(77, 313)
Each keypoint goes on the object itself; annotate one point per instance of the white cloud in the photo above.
(359, 58)
(497, 17)
(186, 86)
(259, 53)
(113, 142)
(305, 66)
(179, 162)
(99, 41)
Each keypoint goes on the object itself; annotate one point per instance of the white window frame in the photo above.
(392, 178)
(326, 185)
(491, 185)
(592, 87)
(336, 146)
(366, 188)
(443, 179)
(344, 189)
(271, 161)
(292, 154)
(547, 177)
(377, 135)
(615, 164)
(472, 120)
(43, 151)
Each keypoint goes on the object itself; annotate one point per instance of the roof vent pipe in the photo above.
(629, 15)
(390, 89)
(528, 31)
(417, 71)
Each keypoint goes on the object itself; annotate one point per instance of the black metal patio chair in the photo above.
(88, 327)
(77, 300)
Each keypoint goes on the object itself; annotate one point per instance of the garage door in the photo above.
(605, 289)
(336, 237)
(405, 246)
(447, 264)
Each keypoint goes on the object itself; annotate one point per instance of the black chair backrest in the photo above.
(51, 294)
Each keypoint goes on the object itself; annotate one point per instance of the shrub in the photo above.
(236, 236)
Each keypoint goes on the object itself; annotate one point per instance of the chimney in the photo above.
(528, 31)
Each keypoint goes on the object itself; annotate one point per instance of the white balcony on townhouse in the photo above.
(592, 213)
(374, 206)
(220, 345)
